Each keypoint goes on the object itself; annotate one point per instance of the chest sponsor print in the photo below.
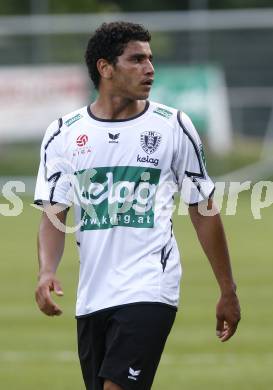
(148, 159)
(117, 196)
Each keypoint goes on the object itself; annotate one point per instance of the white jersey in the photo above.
(121, 176)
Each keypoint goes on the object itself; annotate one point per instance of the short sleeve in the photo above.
(189, 168)
(53, 180)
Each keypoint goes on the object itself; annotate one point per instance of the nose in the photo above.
(149, 69)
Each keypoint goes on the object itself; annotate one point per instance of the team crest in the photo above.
(150, 141)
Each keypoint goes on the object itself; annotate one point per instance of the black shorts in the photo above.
(123, 344)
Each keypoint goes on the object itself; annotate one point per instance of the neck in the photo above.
(115, 107)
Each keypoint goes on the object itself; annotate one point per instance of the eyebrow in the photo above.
(140, 56)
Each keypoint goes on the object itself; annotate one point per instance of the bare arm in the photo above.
(211, 235)
(50, 250)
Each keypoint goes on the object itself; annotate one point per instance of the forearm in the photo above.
(50, 245)
(211, 235)
(50, 251)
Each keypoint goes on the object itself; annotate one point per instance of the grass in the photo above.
(37, 352)
(19, 159)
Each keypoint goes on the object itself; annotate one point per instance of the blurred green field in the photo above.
(22, 159)
(37, 352)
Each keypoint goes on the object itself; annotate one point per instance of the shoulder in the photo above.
(162, 111)
(59, 126)
(52, 132)
(73, 117)
(187, 127)
(178, 119)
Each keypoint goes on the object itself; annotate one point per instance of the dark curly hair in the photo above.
(109, 42)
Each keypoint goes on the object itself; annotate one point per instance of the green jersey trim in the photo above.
(72, 120)
(163, 112)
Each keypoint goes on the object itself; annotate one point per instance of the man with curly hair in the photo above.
(119, 161)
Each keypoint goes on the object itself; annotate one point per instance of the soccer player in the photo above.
(119, 161)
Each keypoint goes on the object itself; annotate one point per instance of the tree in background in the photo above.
(15, 7)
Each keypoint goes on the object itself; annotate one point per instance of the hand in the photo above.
(228, 316)
(46, 284)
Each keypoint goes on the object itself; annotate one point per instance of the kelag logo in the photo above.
(117, 196)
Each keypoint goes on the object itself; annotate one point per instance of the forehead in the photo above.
(137, 47)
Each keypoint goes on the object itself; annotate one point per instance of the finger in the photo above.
(45, 302)
(43, 296)
(51, 307)
(51, 311)
(228, 332)
(56, 311)
(219, 327)
(57, 288)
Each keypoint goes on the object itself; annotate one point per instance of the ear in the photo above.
(105, 69)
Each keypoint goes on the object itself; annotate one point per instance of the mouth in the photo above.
(148, 82)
